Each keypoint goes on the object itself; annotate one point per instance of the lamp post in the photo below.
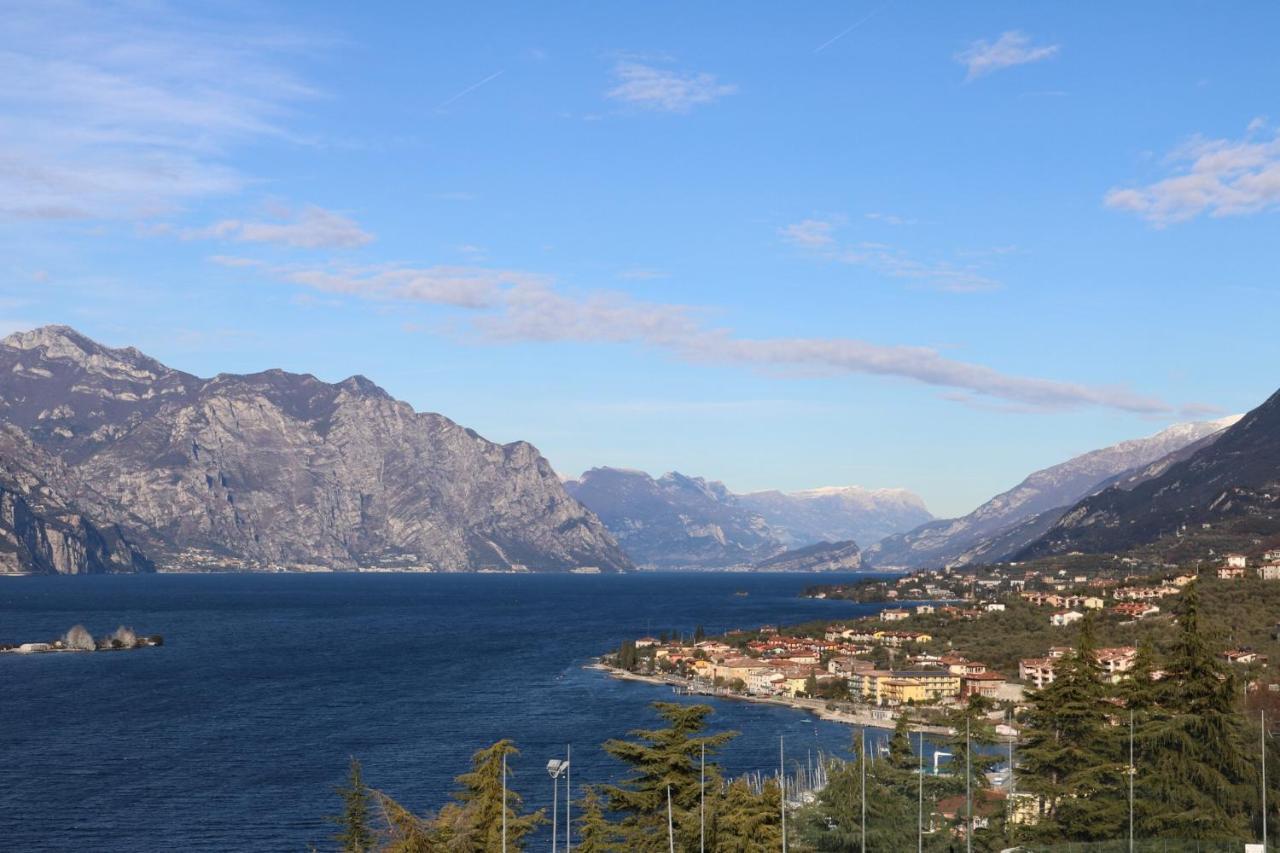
(568, 799)
(555, 767)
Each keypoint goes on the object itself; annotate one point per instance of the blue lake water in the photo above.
(233, 735)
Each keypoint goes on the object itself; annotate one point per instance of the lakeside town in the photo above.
(946, 637)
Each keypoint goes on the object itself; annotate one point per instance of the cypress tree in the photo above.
(354, 834)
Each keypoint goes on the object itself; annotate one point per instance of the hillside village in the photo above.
(945, 636)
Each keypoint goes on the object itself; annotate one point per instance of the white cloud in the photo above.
(819, 238)
(311, 228)
(809, 233)
(506, 306)
(664, 90)
(890, 219)
(1220, 177)
(127, 111)
(1012, 48)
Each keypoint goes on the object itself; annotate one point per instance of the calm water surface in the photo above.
(233, 735)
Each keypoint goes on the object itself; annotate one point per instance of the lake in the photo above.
(233, 735)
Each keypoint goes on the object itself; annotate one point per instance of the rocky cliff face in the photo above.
(676, 521)
(40, 531)
(1011, 520)
(284, 469)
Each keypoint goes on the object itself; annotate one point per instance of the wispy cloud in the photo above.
(1012, 48)
(111, 111)
(809, 233)
(818, 237)
(835, 38)
(664, 90)
(1220, 177)
(506, 306)
(891, 219)
(467, 91)
(310, 228)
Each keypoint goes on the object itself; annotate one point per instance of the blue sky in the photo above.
(923, 245)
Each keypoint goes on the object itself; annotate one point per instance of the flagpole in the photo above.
(568, 797)
(920, 799)
(671, 833)
(1133, 771)
(702, 800)
(968, 790)
(863, 765)
(504, 802)
(1263, 714)
(782, 790)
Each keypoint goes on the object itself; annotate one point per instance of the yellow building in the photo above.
(884, 687)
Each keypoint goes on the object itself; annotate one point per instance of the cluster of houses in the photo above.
(777, 665)
(1114, 663)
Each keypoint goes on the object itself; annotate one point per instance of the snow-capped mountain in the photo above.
(1051, 490)
(838, 513)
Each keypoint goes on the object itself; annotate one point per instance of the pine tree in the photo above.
(405, 832)
(662, 759)
(741, 820)
(1071, 758)
(473, 823)
(355, 835)
(834, 822)
(595, 833)
(1198, 780)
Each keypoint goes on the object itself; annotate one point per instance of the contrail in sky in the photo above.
(494, 76)
(826, 44)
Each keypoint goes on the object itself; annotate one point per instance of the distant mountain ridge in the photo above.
(837, 513)
(282, 469)
(678, 521)
(1235, 476)
(1011, 520)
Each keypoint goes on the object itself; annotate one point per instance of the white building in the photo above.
(1065, 617)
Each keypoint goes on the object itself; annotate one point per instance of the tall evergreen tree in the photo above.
(1199, 779)
(742, 821)
(596, 834)
(473, 822)
(1071, 757)
(662, 759)
(354, 833)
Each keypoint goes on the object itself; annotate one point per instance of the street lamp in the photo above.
(555, 767)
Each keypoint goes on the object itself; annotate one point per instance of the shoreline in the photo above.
(816, 707)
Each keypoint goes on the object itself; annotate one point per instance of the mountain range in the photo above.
(1233, 479)
(115, 462)
(1012, 520)
(678, 521)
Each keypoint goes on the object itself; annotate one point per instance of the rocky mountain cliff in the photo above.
(675, 521)
(837, 513)
(281, 469)
(1010, 521)
(40, 530)
(1237, 476)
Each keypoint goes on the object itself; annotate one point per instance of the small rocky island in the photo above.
(78, 639)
